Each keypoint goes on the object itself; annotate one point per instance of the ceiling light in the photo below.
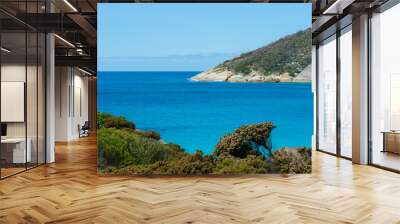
(70, 5)
(84, 71)
(65, 41)
(5, 50)
(79, 51)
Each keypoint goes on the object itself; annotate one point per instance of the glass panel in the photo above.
(41, 99)
(327, 95)
(23, 91)
(13, 88)
(31, 98)
(31, 88)
(346, 92)
(385, 84)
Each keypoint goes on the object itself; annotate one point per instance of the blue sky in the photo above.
(189, 37)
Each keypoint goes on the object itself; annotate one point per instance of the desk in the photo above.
(14, 150)
(391, 141)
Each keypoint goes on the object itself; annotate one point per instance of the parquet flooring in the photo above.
(70, 191)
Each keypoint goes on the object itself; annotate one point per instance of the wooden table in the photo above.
(391, 141)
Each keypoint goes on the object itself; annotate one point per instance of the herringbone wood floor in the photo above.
(70, 191)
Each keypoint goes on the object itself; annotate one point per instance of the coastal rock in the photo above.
(213, 75)
(304, 76)
(223, 75)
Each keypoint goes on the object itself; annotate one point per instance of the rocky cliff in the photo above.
(285, 60)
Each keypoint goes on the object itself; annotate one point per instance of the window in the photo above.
(346, 92)
(327, 95)
(385, 89)
(22, 94)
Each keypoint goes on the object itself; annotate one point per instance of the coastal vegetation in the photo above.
(246, 140)
(123, 149)
(285, 60)
(290, 54)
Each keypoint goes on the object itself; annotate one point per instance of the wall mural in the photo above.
(193, 89)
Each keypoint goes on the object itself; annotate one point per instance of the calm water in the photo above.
(195, 114)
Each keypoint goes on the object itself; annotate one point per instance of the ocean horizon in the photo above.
(196, 115)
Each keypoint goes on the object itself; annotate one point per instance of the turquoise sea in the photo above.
(197, 114)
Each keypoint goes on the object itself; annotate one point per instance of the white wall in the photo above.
(17, 72)
(14, 72)
(62, 82)
(80, 109)
(33, 127)
(71, 102)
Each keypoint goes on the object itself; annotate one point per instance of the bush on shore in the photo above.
(106, 120)
(126, 150)
(250, 165)
(119, 148)
(287, 160)
(148, 134)
(246, 140)
(186, 164)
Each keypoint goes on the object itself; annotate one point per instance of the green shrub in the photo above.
(292, 160)
(148, 134)
(100, 119)
(246, 140)
(106, 120)
(124, 150)
(190, 164)
(118, 123)
(250, 165)
(121, 148)
(242, 68)
(175, 147)
(186, 164)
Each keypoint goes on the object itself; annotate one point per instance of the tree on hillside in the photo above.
(290, 54)
(106, 120)
(246, 140)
